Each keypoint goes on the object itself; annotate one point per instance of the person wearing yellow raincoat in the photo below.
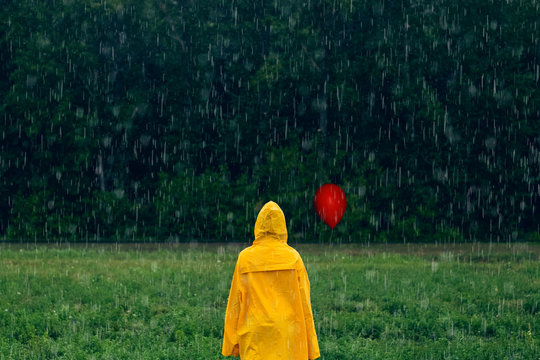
(269, 313)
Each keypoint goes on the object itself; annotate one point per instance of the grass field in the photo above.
(369, 302)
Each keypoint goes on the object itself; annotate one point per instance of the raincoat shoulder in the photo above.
(262, 258)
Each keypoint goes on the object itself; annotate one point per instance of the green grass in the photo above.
(169, 303)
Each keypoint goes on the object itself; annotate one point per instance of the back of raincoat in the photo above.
(269, 313)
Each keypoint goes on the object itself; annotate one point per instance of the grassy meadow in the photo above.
(120, 301)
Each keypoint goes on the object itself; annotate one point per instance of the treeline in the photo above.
(132, 120)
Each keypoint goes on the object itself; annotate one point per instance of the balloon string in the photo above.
(331, 234)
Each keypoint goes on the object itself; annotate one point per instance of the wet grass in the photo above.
(168, 302)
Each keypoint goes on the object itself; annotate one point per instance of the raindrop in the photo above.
(119, 193)
(490, 143)
(145, 139)
(107, 141)
(31, 80)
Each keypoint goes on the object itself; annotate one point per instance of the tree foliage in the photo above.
(155, 120)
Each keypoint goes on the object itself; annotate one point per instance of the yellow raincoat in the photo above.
(269, 313)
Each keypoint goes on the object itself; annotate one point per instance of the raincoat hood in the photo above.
(270, 223)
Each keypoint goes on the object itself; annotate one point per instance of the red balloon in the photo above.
(330, 203)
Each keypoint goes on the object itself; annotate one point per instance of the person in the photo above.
(269, 314)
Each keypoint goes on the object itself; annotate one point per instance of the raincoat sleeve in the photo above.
(312, 343)
(230, 337)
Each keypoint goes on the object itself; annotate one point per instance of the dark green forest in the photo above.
(163, 120)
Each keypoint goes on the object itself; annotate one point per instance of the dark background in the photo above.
(177, 120)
